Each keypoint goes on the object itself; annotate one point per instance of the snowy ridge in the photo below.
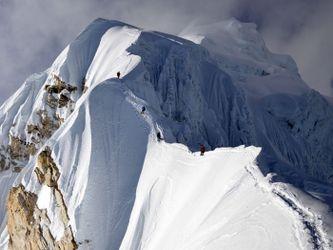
(289, 118)
(170, 195)
(167, 192)
(154, 195)
(234, 180)
(206, 104)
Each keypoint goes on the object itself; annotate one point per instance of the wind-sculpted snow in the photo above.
(226, 95)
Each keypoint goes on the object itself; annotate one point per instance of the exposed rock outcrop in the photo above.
(2, 164)
(46, 170)
(28, 226)
(63, 100)
(4, 159)
(21, 150)
(17, 169)
(59, 86)
(21, 223)
(45, 128)
(52, 101)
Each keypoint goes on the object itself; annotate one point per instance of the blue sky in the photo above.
(33, 32)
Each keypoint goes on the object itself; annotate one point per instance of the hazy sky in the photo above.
(33, 32)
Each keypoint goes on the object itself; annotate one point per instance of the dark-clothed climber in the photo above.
(143, 110)
(159, 136)
(202, 149)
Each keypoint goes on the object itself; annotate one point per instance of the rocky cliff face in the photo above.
(28, 226)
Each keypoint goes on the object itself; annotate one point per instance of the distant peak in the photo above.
(236, 39)
(230, 28)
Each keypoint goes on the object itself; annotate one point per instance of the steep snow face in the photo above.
(36, 111)
(201, 105)
(289, 118)
(212, 103)
(17, 108)
(71, 66)
(191, 104)
(112, 55)
(99, 153)
(301, 123)
(30, 117)
(100, 142)
(108, 158)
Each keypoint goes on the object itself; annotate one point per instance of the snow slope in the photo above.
(101, 152)
(22, 108)
(219, 201)
(124, 190)
(100, 160)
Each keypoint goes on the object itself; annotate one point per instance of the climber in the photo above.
(143, 110)
(264, 73)
(84, 87)
(202, 149)
(118, 74)
(159, 137)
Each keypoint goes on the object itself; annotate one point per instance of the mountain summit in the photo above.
(81, 165)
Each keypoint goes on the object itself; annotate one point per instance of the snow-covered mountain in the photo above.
(80, 165)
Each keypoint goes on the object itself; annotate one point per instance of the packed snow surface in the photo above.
(216, 201)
